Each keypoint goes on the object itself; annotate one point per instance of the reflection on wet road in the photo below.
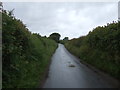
(67, 72)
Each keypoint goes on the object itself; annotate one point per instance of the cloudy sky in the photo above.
(68, 19)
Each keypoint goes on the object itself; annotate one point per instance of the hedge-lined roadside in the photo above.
(25, 56)
(100, 48)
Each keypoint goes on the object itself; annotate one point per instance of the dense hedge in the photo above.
(101, 48)
(25, 56)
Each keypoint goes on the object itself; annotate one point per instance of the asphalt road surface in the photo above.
(67, 72)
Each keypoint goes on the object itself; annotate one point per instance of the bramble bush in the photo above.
(100, 48)
(25, 55)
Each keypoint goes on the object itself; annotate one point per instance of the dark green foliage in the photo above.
(64, 40)
(55, 36)
(25, 56)
(101, 48)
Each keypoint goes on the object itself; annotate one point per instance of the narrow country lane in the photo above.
(67, 72)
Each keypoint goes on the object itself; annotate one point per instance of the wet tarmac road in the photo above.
(67, 72)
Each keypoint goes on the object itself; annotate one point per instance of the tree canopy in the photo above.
(55, 36)
(66, 39)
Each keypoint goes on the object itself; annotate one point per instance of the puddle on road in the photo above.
(71, 65)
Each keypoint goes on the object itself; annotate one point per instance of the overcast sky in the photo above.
(69, 19)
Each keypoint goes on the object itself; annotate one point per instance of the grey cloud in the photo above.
(68, 19)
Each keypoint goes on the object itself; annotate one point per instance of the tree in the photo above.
(55, 36)
(66, 39)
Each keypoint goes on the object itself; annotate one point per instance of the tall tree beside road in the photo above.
(55, 36)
